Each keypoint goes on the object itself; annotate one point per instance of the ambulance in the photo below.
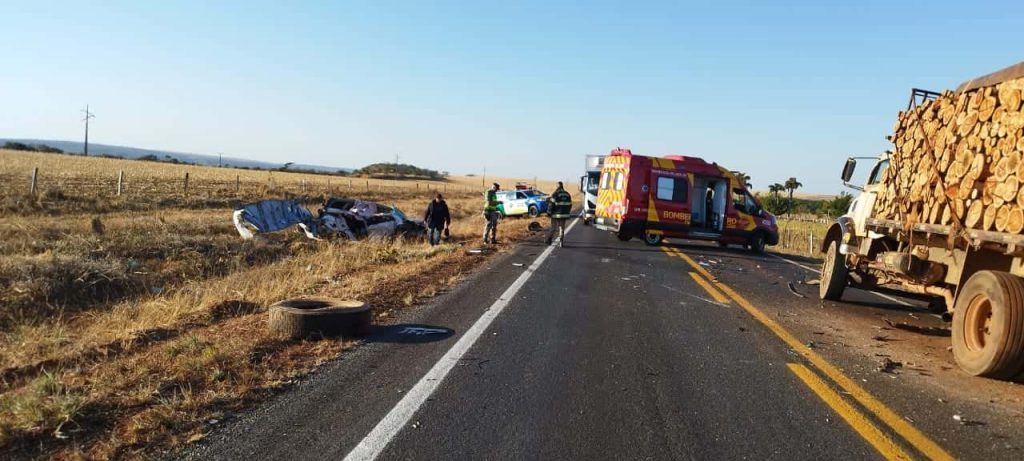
(676, 196)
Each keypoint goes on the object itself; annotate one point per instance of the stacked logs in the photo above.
(957, 161)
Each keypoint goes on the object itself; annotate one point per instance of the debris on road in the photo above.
(889, 366)
(813, 282)
(518, 264)
(929, 331)
(535, 227)
(966, 422)
(353, 219)
(792, 289)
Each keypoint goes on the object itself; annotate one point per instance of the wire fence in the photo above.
(201, 183)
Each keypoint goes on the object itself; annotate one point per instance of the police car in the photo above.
(521, 202)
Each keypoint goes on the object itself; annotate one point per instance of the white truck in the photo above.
(588, 186)
(977, 274)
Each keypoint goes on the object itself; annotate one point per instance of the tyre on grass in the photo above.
(301, 318)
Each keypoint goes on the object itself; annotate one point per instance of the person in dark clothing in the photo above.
(437, 219)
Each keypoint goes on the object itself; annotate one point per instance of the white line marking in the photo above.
(794, 263)
(378, 439)
(880, 295)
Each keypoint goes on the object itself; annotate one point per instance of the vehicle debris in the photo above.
(928, 331)
(353, 219)
(966, 422)
(889, 366)
(792, 289)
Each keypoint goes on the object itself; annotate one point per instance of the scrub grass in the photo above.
(126, 331)
(801, 238)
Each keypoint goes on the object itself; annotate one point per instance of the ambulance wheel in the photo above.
(988, 325)
(757, 243)
(652, 239)
(623, 236)
(534, 212)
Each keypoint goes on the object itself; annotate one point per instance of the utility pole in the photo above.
(483, 179)
(220, 159)
(88, 115)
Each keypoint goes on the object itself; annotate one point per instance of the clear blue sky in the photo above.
(776, 89)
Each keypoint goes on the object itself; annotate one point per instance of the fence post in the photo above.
(35, 181)
(367, 184)
(810, 242)
(186, 184)
(120, 181)
(238, 184)
(303, 185)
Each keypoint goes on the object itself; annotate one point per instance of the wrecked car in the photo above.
(353, 219)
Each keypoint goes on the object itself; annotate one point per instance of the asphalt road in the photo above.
(617, 350)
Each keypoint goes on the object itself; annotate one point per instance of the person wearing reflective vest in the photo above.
(559, 208)
(491, 215)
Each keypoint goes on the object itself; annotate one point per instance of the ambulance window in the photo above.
(604, 180)
(618, 180)
(742, 202)
(671, 189)
(520, 196)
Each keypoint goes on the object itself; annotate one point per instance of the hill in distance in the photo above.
(75, 147)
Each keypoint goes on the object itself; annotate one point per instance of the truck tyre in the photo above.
(652, 239)
(988, 325)
(757, 243)
(301, 318)
(533, 211)
(623, 236)
(833, 273)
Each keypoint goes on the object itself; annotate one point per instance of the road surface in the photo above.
(617, 350)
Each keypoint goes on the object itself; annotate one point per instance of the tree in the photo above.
(840, 205)
(791, 185)
(286, 165)
(743, 178)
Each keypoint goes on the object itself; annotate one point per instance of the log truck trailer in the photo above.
(977, 273)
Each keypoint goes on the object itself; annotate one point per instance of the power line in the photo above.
(88, 115)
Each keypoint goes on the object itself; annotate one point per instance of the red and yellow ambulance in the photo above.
(677, 196)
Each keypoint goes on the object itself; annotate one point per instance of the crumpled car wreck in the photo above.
(338, 218)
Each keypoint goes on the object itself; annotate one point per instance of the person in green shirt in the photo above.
(491, 214)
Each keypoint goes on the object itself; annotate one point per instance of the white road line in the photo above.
(374, 443)
(794, 263)
(880, 295)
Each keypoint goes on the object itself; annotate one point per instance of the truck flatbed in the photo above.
(975, 236)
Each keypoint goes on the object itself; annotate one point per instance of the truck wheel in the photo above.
(652, 239)
(534, 212)
(757, 243)
(623, 236)
(300, 318)
(833, 274)
(988, 325)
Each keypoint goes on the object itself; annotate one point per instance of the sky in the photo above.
(775, 89)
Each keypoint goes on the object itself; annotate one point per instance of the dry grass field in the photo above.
(801, 238)
(127, 322)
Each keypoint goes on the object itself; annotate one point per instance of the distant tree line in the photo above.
(11, 145)
(397, 171)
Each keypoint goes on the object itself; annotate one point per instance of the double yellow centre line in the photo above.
(862, 424)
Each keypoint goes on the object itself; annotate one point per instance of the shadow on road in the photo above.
(409, 333)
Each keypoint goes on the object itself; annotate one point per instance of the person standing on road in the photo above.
(437, 219)
(559, 208)
(491, 214)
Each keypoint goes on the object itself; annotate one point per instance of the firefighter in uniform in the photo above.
(491, 214)
(559, 208)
